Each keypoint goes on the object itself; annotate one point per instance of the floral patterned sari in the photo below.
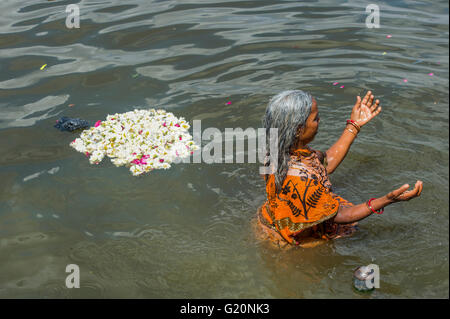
(302, 213)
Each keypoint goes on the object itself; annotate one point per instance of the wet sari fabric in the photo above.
(305, 206)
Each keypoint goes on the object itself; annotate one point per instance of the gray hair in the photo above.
(286, 111)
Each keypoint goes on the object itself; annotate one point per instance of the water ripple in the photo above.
(184, 232)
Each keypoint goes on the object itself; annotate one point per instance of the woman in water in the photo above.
(301, 208)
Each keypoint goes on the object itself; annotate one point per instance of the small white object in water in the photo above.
(33, 176)
(53, 170)
(216, 190)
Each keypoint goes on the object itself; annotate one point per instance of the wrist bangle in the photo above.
(379, 212)
(358, 128)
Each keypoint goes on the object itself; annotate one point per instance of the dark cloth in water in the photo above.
(71, 124)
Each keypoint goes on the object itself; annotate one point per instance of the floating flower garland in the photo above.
(143, 140)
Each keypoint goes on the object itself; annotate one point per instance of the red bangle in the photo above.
(354, 124)
(379, 212)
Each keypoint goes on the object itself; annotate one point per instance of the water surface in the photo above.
(185, 232)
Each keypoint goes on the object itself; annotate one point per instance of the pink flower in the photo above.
(405, 80)
(73, 141)
(98, 123)
(176, 152)
(180, 138)
(229, 102)
(430, 74)
(161, 160)
(164, 124)
(342, 86)
(140, 131)
(335, 83)
(177, 125)
(87, 154)
(389, 36)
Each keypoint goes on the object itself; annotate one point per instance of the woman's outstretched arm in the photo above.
(362, 113)
(355, 213)
(337, 152)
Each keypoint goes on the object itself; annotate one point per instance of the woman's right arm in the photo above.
(355, 213)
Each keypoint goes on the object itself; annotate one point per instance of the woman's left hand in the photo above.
(365, 110)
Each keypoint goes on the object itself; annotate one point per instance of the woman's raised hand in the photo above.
(403, 194)
(365, 110)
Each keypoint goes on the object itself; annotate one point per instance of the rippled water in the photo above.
(185, 232)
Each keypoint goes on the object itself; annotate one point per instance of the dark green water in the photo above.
(185, 232)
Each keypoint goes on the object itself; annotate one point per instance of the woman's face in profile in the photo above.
(311, 125)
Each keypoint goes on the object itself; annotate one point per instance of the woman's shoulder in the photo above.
(298, 166)
(320, 154)
(312, 166)
(306, 155)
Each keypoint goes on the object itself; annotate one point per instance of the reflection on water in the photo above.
(185, 232)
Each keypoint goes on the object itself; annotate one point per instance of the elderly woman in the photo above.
(301, 208)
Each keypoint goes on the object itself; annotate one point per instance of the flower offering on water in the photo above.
(143, 140)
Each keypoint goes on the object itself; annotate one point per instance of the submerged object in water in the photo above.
(71, 124)
(366, 278)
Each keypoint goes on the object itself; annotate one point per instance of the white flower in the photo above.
(141, 139)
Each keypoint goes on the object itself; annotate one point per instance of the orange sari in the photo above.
(303, 211)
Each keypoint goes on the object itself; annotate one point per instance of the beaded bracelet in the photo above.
(379, 212)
